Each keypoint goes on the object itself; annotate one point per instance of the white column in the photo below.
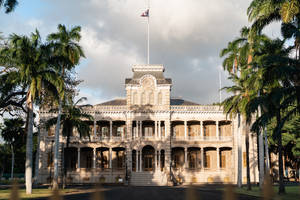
(155, 160)
(140, 161)
(110, 158)
(78, 158)
(123, 132)
(94, 158)
(185, 158)
(201, 129)
(141, 129)
(217, 129)
(218, 158)
(135, 132)
(155, 129)
(185, 129)
(202, 158)
(159, 129)
(137, 161)
(110, 130)
(95, 127)
(159, 167)
(166, 128)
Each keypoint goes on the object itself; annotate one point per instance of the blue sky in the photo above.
(186, 37)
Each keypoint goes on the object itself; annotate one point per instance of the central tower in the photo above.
(148, 88)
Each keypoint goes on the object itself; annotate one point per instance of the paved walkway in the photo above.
(153, 193)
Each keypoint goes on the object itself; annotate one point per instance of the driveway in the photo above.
(153, 193)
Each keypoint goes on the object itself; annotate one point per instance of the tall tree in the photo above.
(65, 44)
(280, 96)
(72, 118)
(31, 60)
(9, 5)
(13, 133)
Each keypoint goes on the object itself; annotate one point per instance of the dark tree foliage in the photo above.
(8, 5)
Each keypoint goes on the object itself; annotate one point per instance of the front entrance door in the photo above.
(148, 153)
(148, 162)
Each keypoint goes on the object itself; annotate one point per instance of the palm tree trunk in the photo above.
(261, 155)
(12, 162)
(28, 163)
(247, 159)
(37, 157)
(281, 183)
(267, 152)
(56, 147)
(240, 170)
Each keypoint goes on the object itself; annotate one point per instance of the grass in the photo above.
(292, 192)
(36, 193)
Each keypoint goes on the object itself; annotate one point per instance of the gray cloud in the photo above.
(186, 36)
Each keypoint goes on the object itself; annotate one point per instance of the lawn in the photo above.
(292, 192)
(36, 193)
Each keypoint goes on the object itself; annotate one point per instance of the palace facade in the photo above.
(149, 138)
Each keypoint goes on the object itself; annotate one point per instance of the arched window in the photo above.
(159, 98)
(144, 100)
(134, 98)
(151, 98)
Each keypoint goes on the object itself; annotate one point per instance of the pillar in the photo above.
(202, 158)
(201, 129)
(135, 132)
(217, 129)
(78, 158)
(218, 158)
(185, 129)
(159, 129)
(141, 129)
(110, 130)
(110, 158)
(95, 127)
(137, 161)
(140, 161)
(155, 129)
(159, 161)
(155, 160)
(185, 158)
(94, 158)
(165, 129)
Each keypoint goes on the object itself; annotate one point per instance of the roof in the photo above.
(115, 102)
(182, 102)
(174, 102)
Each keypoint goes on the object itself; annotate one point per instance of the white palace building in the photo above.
(149, 138)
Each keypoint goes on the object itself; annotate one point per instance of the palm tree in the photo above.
(72, 118)
(279, 95)
(9, 5)
(239, 57)
(68, 53)
(30, 58)
(12, 134)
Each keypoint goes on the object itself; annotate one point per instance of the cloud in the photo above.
(186, 36)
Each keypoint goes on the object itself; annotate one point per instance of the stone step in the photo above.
(148, 178)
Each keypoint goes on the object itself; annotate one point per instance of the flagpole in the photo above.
(148, 56)
(220, 85)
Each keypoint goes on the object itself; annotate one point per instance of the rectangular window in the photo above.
(119, 131)
(223, 161)
(207, 161)
(244, 159)
(104, 131)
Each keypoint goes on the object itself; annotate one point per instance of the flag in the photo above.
(145, 14)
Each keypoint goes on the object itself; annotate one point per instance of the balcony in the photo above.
(202, 138)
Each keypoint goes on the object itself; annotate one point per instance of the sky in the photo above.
(186, 36)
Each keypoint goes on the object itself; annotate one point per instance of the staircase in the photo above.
(148, 178)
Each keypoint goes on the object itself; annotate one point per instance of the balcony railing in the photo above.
(174, 137)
